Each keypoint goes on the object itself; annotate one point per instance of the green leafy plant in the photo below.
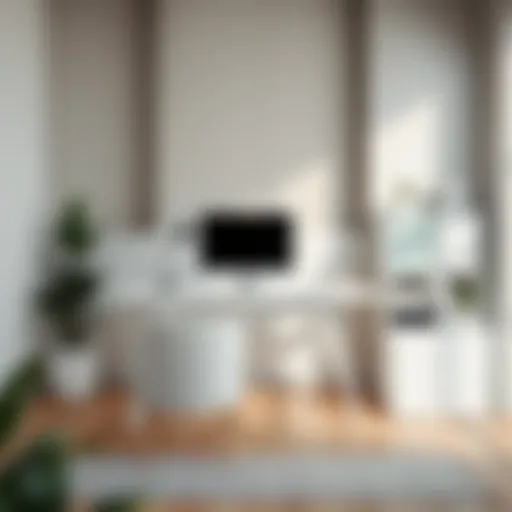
(67, 296)
(74, 231)
(37, 477)
(465, 292)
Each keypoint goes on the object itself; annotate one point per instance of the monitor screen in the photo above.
(246, 241)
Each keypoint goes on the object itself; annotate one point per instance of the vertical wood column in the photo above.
(363, 322)
(485, 48)
(482, 33)
(143, 196)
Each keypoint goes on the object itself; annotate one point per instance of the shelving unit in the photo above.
(436, 354)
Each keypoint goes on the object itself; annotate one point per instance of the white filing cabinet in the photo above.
(442, 370)
(195, 364)
(204, 363)
(412, 372)
(466, 338)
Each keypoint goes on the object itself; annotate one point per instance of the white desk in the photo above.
(201, 360)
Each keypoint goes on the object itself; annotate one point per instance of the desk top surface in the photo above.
(228, 298)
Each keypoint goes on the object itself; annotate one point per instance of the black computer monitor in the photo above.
(246, 241)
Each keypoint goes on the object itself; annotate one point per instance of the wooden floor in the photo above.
(268, 421)
(301, 506)
(265, 421)
(322, 507)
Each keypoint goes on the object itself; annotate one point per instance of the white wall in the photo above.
(22, 180)
(94, 108)
(249, 107)
(420, 96)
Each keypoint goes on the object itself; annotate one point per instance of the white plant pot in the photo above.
(73, 373)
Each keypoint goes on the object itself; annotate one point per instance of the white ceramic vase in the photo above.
(74, 372)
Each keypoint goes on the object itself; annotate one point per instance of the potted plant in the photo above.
(37, 476)
(67, 302)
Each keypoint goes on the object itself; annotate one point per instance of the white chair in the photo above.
(307, 350)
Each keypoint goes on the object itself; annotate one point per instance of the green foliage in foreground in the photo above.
(38, 479)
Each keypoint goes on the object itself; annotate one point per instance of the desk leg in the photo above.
(136, 331)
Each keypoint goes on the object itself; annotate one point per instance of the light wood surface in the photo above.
(265, 421)
(318, 506)
(322, 507)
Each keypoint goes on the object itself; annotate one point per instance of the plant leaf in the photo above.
(39, 479)
(15, 395)
(75, 231)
